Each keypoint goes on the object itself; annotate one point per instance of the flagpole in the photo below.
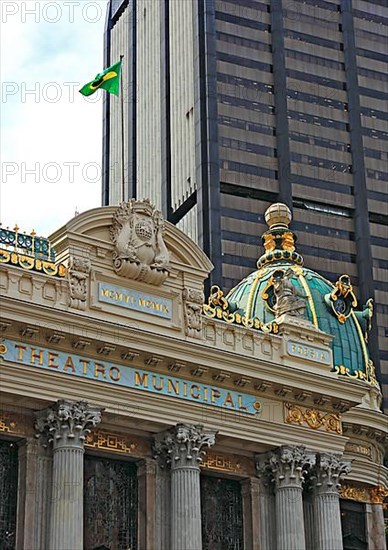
(122, 130)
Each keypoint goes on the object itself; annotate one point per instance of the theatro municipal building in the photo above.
(139, 413)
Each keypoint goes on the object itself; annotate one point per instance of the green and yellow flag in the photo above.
(109, 80)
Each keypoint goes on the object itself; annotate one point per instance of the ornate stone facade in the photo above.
(165, 384)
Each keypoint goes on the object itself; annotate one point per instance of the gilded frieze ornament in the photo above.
(140, 252)
(313, 418)
(116, 443)
(350, 492)
(378, 494)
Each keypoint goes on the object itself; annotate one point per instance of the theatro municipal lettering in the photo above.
(86, 367)
(132, 299)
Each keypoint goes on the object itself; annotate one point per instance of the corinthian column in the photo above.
(65, 426)
(325, 478)
(288, 467)
(182, 447)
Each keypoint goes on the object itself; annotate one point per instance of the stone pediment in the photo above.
(128, 262)
(92, 228)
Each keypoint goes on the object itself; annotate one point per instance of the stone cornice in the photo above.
(259, 370)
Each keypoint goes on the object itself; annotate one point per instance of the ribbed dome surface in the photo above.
(282, 285)
(349, 348)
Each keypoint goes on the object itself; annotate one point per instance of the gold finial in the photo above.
(278, 215)
(16, 228)
(33, 233)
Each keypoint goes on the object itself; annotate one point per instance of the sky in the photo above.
(51, 135)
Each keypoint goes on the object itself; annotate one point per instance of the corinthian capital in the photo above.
(183, 445)
(289, 465)
(328, 472)
(67, 423)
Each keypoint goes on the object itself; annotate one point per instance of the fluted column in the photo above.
(64, 426)
(325, 480)
(182, 447)
(288, 465)
(162, 506)
(266, 503)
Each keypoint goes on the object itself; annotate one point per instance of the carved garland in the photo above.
(193, 300)
(313, 418)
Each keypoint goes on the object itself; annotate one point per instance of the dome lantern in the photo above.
(279, 241)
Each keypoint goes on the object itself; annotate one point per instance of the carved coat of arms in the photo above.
(140, 252)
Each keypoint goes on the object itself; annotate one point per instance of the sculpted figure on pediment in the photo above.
(140, 251)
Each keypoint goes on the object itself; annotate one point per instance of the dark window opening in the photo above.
(110, 504)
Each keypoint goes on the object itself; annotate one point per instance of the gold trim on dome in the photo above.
(252, 294)
(238, 319)
(269, 242)
(288, 241)
(294, 414)
(306, 288)
(362, 341)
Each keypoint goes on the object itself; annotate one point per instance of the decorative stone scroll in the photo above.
(78, 274)
(193, 301)
(140, 252)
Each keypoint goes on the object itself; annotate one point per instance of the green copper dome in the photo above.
(282, 285)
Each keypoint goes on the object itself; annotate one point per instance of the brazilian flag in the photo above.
(109, 80)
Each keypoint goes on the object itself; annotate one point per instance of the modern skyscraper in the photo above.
(230, 105)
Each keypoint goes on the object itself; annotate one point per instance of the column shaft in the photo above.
(267, 522)
(376, 534)
(163, 509)
(289, 518)
(66, 525)
(327, 516)
(308, 511)
(185, 509)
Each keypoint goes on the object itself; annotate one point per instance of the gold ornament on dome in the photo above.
(342, 299)
(269, 242)
(278, 214)
(288, 242)
(314, 418)
(217, 298)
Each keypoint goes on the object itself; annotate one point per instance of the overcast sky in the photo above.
(50, 134)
